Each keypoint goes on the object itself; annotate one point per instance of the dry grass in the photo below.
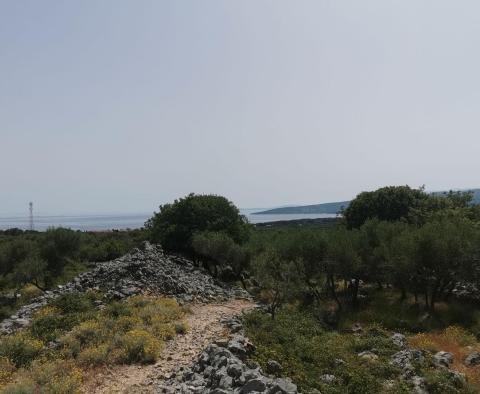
(455, 340)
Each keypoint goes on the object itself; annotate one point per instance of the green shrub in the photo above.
(88, 332)
(24, 386)
(116, 309)
(47, 324)
(140, 346)
(73, 303)
(55, 377)
(7, 368)
(20, 349)
(444, 382)
(93, 355)
(181, 328)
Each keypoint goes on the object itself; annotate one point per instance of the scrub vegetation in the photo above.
(77, 332)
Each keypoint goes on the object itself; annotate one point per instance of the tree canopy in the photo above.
(176, 223)
(388, 203)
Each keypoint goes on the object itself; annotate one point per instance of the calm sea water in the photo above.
(122, 222)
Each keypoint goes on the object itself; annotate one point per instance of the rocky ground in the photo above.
(224, 367)
(206, 325)
(147, 270)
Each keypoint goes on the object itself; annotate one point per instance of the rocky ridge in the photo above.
(148, 270)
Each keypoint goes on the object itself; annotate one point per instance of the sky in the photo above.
(119, 106)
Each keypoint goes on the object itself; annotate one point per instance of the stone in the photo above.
(273, 367)
(472, 359)
(283, 386)
(399, 340)
(328, 378)
(254, 385)
(226, 371)
(226, 382)
(235, 370)
(368, 355)
(404, 360)
(443, 359)
(357, 328)
(419, 385)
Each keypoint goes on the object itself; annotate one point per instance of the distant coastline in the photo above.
(331, 208)
(108, 222)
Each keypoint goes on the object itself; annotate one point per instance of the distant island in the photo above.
(336, 207)
(329, 207)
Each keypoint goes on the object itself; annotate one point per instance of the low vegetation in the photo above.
(331, 361)
(78, 332)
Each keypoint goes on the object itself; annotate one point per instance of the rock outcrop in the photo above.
(148, 270)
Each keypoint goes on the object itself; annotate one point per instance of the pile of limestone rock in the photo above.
(148, 270)
(224, 367)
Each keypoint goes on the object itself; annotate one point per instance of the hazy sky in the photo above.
(118, 106)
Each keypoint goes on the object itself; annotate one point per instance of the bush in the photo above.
(94, 355)
(29, 292)
(181, 328)
(140, 346)
(24, 386)
(73, 303)
(444, 382)
(47, 324)
(7, 368)
(20, 349)
(175, 224)
(88, 332)
(55, 377)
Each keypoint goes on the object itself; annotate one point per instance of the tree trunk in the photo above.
(334, 293)
(403, 296)
(354, 292)
(35, 283)
(242, 280)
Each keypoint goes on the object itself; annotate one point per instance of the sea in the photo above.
(108, 222)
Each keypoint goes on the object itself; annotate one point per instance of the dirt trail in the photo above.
(205, 326)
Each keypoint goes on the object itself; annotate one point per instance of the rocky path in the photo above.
(205, 322)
